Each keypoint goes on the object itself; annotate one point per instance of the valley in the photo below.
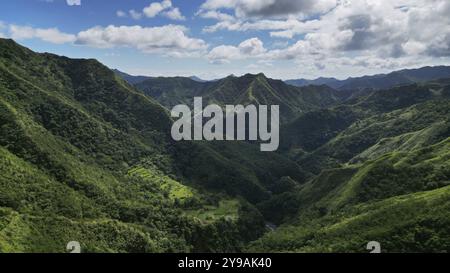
(86, 155)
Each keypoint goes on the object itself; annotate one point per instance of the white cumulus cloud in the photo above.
(52, 35)
(271, 8)
(157, 7)
(343, 35)
(174, 14)
(169, 39)
(250, 48)
(164, 8)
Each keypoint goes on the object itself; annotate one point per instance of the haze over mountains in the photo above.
(86, 155)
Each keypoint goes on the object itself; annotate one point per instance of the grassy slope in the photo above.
(399, 199)
(408, 223)
(43, 215)
(377, 119)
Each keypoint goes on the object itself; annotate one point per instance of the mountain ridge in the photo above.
(86, 156)
(381, 81)
(75, 128)
(249, 89)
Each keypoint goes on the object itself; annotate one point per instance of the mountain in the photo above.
(380, 166)
(248, 89)
(331, 82)
(197, 79)
(139, 79)
(381, 81)
(171, 91)
(337, 141)
(339, 133)
(86, 156)
(401, 200)
(129, 78)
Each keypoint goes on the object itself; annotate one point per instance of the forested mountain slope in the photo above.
(83, 154)
(248, 89)
(381, 166)
(401, 200)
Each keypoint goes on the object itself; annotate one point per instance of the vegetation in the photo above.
(81, 149)
(85, 156)
(249, 89)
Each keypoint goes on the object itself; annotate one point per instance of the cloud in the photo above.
(259, 25)
(121, 14)
(381, 30)
(217, 15)
(169, 40)
(2, 27)
(321, 36)
(440, 46)
(174, 14)
(354, 37)
(164, 8)
(73, 2)
(271, 8)
(52, 35)
(135, 14)
(223, 54)
(229, 25)
(157, 7)
(250, 48)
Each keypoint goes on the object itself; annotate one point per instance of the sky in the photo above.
(285, 39)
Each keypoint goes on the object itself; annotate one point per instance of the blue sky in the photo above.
(214, 38)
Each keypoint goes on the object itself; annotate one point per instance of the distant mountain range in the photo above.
(375, 82)
(381, 81)
(138, 79)
(248, 89)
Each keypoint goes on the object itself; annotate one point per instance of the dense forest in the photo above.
(86, 155)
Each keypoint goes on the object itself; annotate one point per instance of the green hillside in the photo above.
(400, 200)
(408, 223)
(330, 137)
(85, 156)
(248, 89)
(382, 174)
(79, 145)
